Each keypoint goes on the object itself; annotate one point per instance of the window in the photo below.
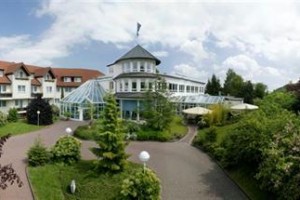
(150, 85)
(34, 88)
(188, 88)
(111, 85)
(3, 88)
(121, 87)
(77, 79)
(196, 89)
(49, 89)
(1, 73)
(19, 103)
(133, 86)
(67, 79)
(2, 103)
(48, 77)
(143, 86)
(173, 87)
(20, 74)
(126, 86)
(142, 68)
(58, 89)
(192, 89)
(21, 88)
(68, 89)
(181, 88)
(134, 66)
(149, 67)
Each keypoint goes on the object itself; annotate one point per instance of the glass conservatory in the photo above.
(202, 100)
(84, 103)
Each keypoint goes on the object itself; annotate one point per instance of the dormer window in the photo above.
(77, 79)
(149, 67)
(67, 79)
(1, 73)
(21, 74)
(48, 77)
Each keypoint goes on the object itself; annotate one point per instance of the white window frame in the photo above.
(21, 88)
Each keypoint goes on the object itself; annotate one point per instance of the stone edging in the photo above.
(30, 185)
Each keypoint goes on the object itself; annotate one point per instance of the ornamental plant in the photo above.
(12, 115)
(45, 116)
(142, 185)
(3, 119)
(38, 154)
(66, 150)
(110, 138)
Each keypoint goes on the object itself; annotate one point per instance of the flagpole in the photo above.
(138, 27)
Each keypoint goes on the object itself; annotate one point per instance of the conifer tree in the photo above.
(110, 139)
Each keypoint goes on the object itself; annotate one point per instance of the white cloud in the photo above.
(189, 71)
(268, 31)
(160, 53)
(249, 69)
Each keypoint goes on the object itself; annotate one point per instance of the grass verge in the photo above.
(17, 128)
(52, 182)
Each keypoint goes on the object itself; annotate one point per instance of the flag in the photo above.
(138, 27)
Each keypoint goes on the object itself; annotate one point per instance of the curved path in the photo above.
(186, 173)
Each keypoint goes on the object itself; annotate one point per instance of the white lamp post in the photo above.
(38, 117)
(144, 157)
(69, 130)
(73, 186)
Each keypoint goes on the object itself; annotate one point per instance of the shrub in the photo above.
(3, 119)
(38, 154)
(143, 185)
(85, 132)
(12, 115)
(66, 150)
(45, 116)
(147, 134)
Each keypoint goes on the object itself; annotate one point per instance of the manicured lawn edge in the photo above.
(30, 184)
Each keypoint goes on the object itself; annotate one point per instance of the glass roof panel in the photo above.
(90, 91)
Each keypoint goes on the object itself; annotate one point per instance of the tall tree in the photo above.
(7, 172)
(111, 139)
(232, 84)
(260, 90)
(295, 88)
(213, 86)
(247, 92)
(158, 110)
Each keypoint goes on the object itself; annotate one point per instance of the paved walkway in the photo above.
(15, 150)
(186, 173)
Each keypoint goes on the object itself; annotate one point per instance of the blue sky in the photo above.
(258, 39)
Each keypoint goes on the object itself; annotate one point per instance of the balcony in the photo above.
(36, 94)
(5, 95)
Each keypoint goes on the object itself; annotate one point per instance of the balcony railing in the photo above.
(5, 95)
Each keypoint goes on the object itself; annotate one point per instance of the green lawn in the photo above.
(51, 182)
(16, 128)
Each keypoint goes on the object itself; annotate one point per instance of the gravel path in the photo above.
(185, 172)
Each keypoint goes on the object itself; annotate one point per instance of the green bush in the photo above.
(38, 154)
(152, 135)
(143, 185)
(12, 115)
(3, 119)
(85, 132)
(66, 150)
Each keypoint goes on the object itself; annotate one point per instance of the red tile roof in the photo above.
(85, 75)
(35, 82)
(59, 73)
